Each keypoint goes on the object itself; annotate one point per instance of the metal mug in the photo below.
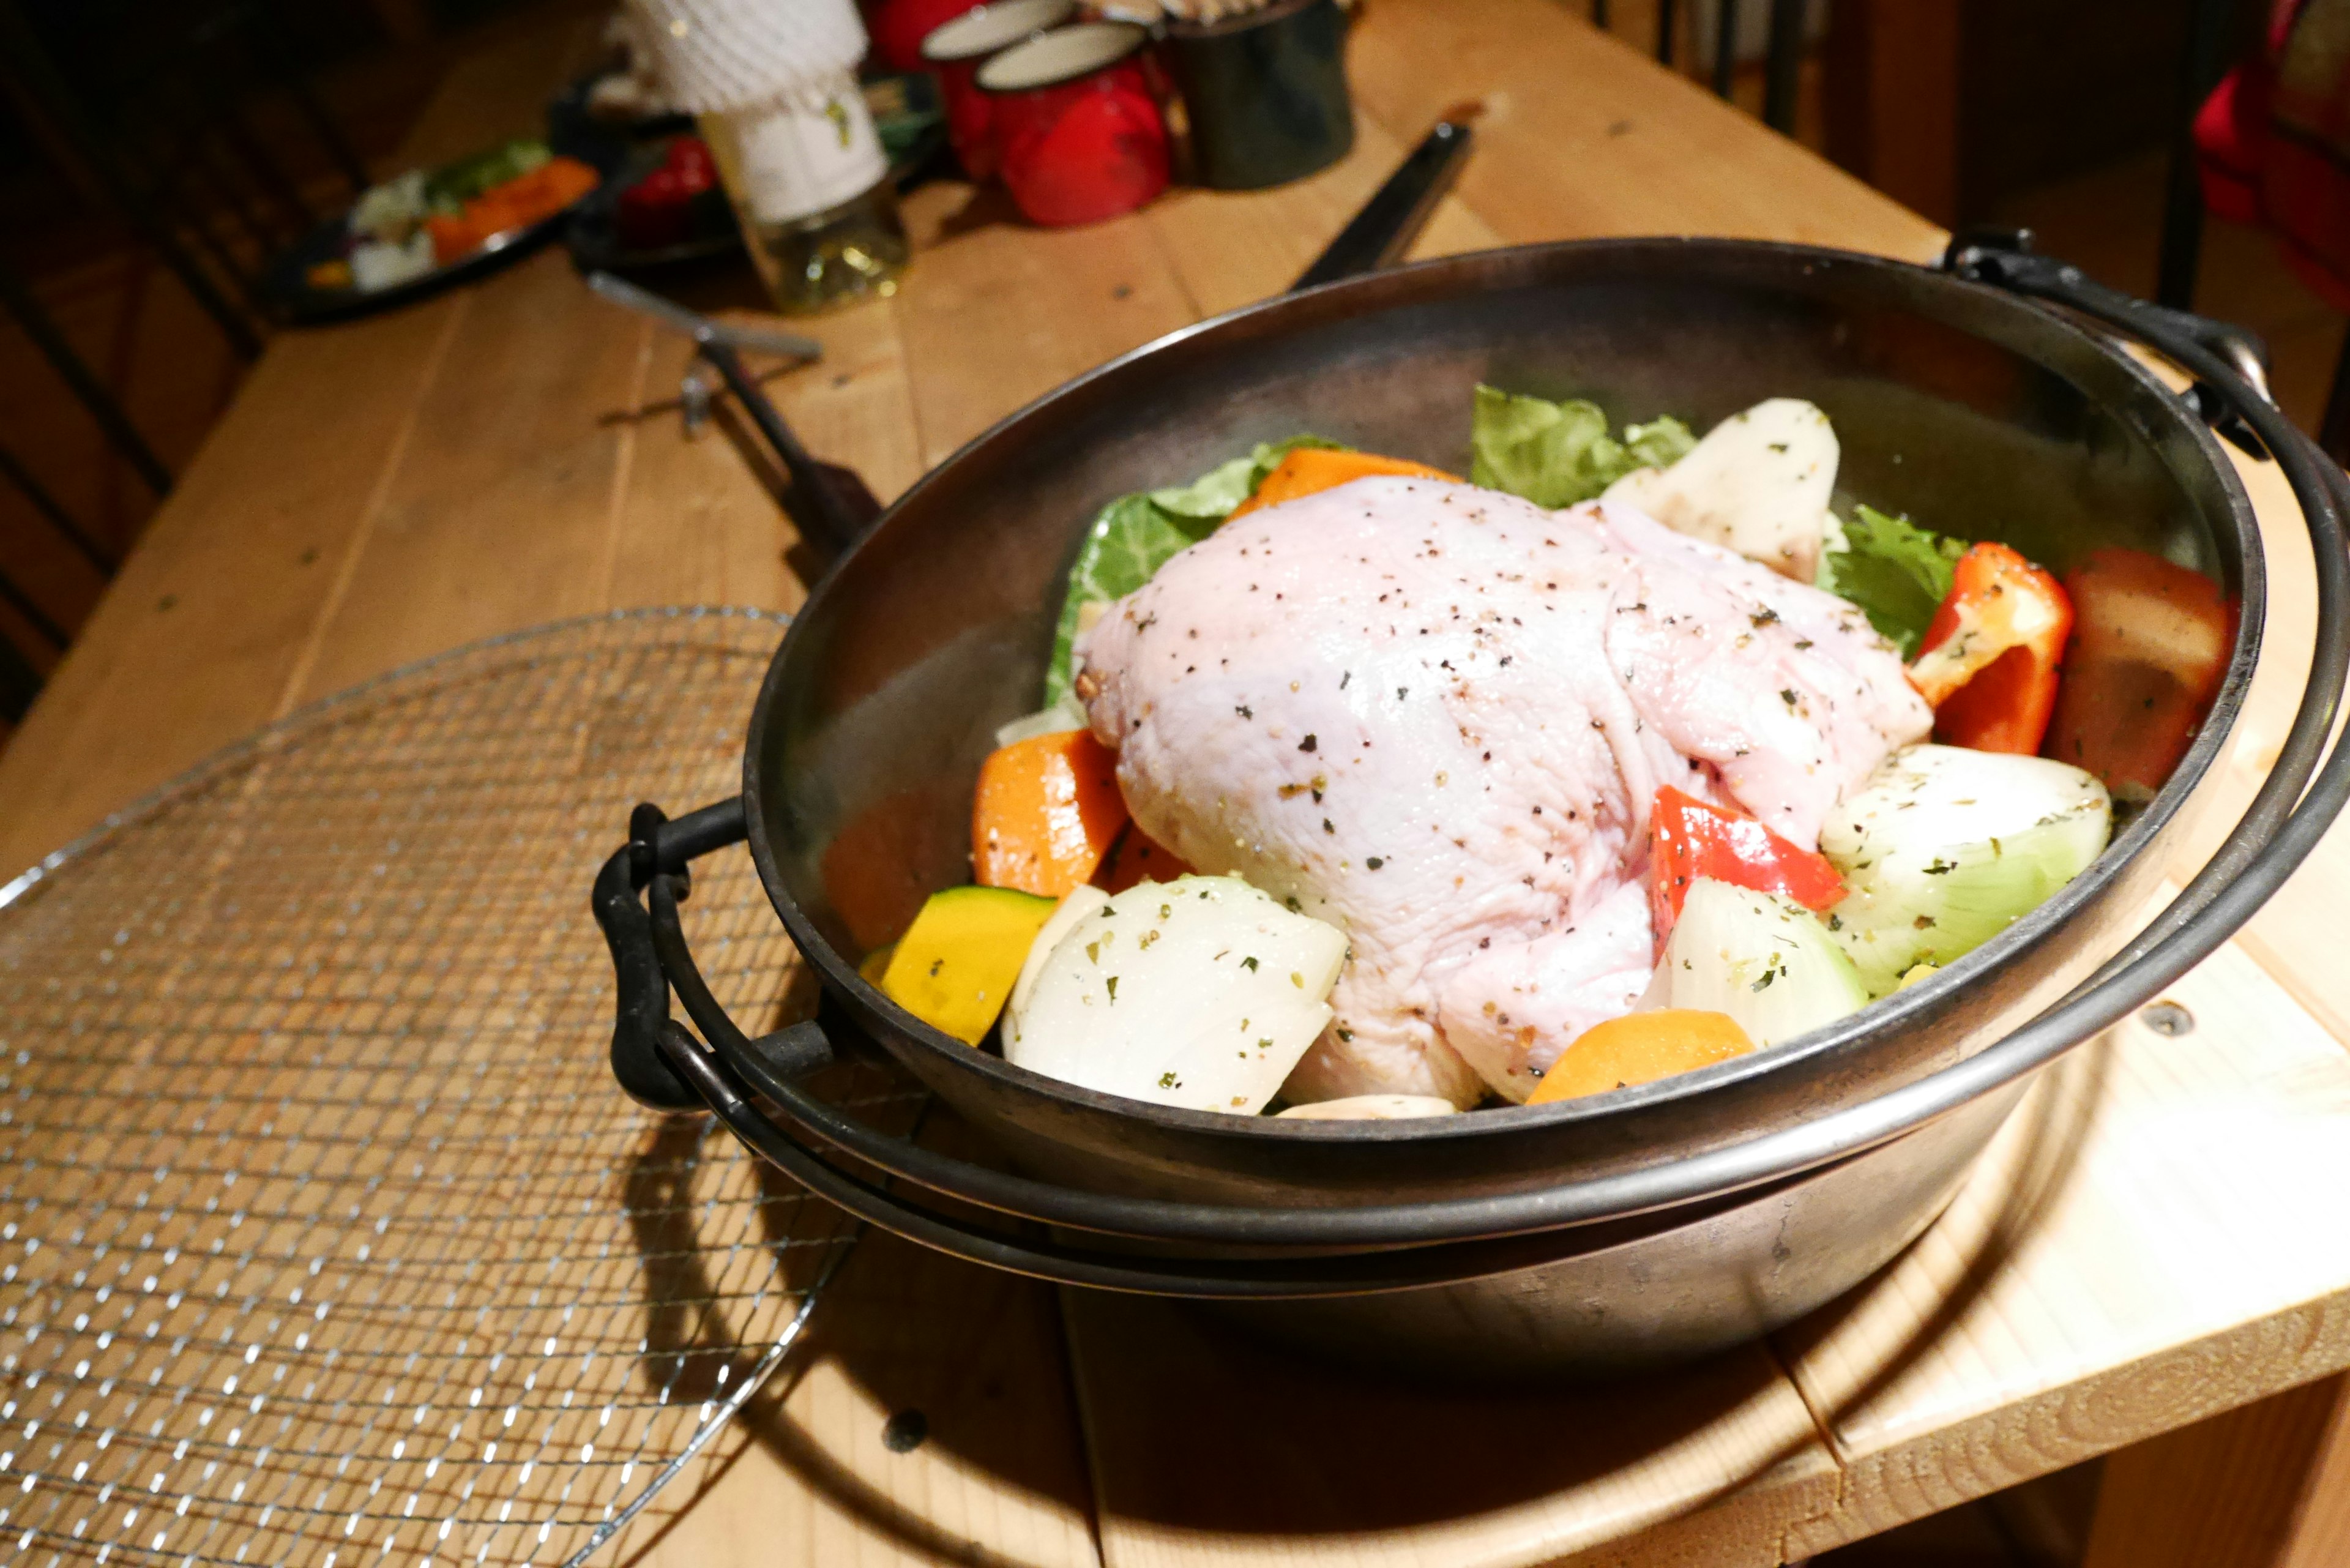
(958, 47)
(1076, 123)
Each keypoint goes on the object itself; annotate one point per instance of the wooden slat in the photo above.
(194, 643)
(1208, 1448)
(1585, 137)
(2136, 1252)
(2264, 1487)
(1231, 249)
(499, 515)
(994, 314)
(805, 1477)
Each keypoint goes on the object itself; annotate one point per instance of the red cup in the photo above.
(957, 48)
(1076, 123)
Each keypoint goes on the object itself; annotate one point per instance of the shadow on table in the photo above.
(976, 1353)
(1206, 1430)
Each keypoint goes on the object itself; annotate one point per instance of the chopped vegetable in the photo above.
(1134, 535)
(1990, 660)
(1200, 992)
(390, 212)
(1045, 814)
(1555, 454)
(1944, 849)
(1762, 959)
(1309, 470)
(1898, 573)
(1689, 839)
(456, 184)
(955, 966)
(1639, 1048)
(1757, 483)
(1372, 1108)
(1220, 492)
(1068, 713)
(548, 187)
(1081, 902)
(1139, 858)
(379, 264)
(328, 275)
(2150, 646)
(875, 964)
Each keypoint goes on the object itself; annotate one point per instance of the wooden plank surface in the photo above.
(514, 452)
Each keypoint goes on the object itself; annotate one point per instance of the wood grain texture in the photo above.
(2264, 1487)
(995, 315)
(2148, 1245)
(1583, 136)
(2134, 1253)
(1208, 1448)
(195, 642)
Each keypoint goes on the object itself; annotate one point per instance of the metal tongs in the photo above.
(835, 506)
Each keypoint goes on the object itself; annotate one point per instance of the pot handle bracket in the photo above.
(661, 847)
(2004, 257)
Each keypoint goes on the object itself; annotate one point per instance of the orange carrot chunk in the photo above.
(1139, 858)
(1639, 1048)
(1311, 468)
(1047, 813)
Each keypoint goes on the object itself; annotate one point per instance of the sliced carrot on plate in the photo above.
(1047, 813)
(1312, 469)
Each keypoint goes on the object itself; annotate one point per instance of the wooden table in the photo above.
(2155, 1240)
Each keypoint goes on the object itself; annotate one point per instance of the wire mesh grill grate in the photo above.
(325, 1236)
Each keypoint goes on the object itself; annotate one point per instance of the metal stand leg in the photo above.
(1665, 9)
(91, 391)
(2334, 429)
(1725, 47)
(2182, 204)
(1785, 66)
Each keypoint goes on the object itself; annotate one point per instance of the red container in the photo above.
(898, 27)
(1076, 123)
(957, 48)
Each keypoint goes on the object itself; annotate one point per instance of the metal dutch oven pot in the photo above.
(1652, 1224)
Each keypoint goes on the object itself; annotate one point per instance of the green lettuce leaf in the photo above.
(1555, 454)
(1134, 535)
(1223, 487)
(1661, 443)
(1898, 573)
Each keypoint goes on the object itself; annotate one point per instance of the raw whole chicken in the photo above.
(1436, 715)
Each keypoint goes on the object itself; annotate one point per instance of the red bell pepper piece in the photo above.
(1989, 664)
(1689, 839)
(2150, 646)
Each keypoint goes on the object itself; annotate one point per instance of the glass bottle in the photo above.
(810, 185)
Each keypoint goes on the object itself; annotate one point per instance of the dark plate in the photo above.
(289, 292)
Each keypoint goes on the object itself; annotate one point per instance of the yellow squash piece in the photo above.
(1639, 1048)
(1919, 975)
(955, 966)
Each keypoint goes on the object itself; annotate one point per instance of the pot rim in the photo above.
(1886, 1017)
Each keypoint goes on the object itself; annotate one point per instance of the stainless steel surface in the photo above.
(703, 328)
(323, 1233)
(1969, 409)
(1648, 1224)
(1678, 1291)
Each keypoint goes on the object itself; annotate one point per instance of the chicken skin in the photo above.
(1436, 716)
